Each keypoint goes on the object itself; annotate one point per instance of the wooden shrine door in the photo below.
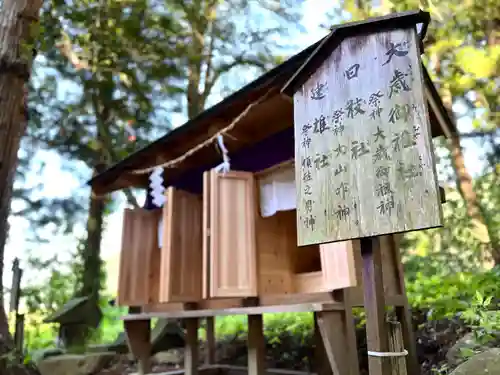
(229, 254)
(181, 263)
(139, 258)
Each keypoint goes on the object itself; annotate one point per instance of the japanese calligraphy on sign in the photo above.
(364, 159)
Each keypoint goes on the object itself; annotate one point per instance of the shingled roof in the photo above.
(283, 78)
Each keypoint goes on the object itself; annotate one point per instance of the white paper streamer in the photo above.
(157, 189)
(226, 164)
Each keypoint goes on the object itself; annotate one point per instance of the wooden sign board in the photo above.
(364, 160)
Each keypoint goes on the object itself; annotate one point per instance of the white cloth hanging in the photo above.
(278, 192)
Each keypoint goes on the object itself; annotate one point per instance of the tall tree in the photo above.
(109, 57)
(218, 38)
(17, 18)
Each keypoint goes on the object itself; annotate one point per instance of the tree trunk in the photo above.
(16, 18)
(91, 277)
(466, 189)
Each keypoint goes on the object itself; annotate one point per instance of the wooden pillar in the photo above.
(139, 341)
(350, 332)
(191, 347)
(403, 314)
(256, 345)
(333, 326)
(211, 344)
(321, 365)
(374, 302)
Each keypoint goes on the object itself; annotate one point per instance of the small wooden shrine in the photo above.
(289, 196)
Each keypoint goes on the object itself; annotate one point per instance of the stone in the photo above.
(170, 356)
(487, 363)
(85, 364)
(39, 355)
(457, 353)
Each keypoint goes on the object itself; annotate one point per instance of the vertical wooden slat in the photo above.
(181, 265)
(232, 235)
(206, 269)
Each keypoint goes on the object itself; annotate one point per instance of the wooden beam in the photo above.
(307, 307)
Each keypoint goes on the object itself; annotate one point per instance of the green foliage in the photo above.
(446, 296)
(483, 317)
(299, 325)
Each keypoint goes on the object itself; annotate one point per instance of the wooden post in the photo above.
(374, 301)
(139, 341)
(19, 336)
(256, 345)
(211, 343)
(15, 291)
(398, 364)
(403, 314)
(15, 295)
(333, 328)
(191, 348)
(321, 365)
(350, 332)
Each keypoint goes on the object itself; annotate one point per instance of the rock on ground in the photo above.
(487, 362)
(67, 364)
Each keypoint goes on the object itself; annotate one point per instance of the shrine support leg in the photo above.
(139, 341)
(374, 301)
(191, 348)
(321, 365)
(338, 334)
(211, 344)
(256, 345)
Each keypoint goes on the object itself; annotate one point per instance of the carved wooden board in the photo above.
(364, 161)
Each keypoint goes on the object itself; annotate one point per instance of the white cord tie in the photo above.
(388, 354)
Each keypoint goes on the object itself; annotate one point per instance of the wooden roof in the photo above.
(340, 32)
(271, 116)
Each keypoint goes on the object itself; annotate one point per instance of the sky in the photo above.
(58, 182)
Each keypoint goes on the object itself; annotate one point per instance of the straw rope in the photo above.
(212, 139)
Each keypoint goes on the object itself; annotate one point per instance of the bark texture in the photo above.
(16, 33)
